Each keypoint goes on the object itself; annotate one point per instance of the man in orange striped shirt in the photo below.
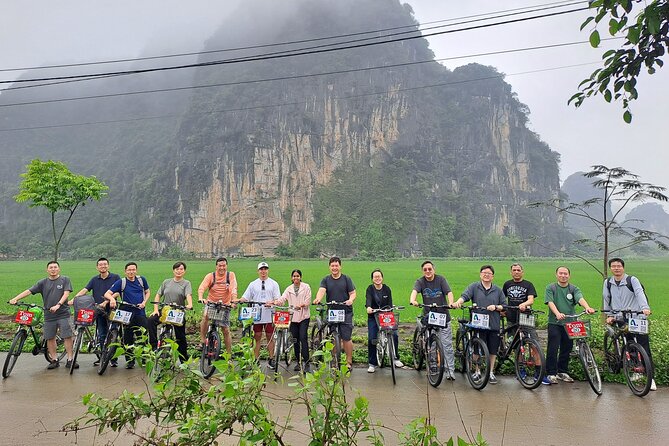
(221, 286)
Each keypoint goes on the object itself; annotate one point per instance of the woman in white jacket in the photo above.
(298, 295)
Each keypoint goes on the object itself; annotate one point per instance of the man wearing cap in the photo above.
(263, 289)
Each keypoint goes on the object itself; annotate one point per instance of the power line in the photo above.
(293, 53)
(443, 84)
(303, 76)
(491, 15)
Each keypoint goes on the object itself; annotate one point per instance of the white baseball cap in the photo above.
(263, 265)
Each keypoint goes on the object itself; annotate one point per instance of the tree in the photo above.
(617, 186)
(645, 42)
(50, 184)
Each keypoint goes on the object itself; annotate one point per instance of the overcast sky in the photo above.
(46, 32)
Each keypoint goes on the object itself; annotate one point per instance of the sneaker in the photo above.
(307, 368)
(653, 387)
(522, 374)
(297, 367)
(476, 376)
(565, 377)
(493, 378)
(130, 365)
(399, 363)
(114, 363)
(371, 369)
(96, 363)
(636, 376)
(53, 365)
(553, 379)
(450, 376)
(271, 363)
(69, 364)
(546, 381)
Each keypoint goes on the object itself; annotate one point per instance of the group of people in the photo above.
(620, 291)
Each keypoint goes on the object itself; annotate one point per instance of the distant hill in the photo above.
(652, 216)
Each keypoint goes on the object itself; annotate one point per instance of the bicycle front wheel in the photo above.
(435, 360)
(316, 343)
(108, 350)
(381, 349)
(638, 369)
(210, 352)
(14, 352)
(278, 351)
(590, 367)
(78, 340)
(612, 352)
(530, 363)
(477, 363)
(417, 351)
(391, 354)
(288, 348)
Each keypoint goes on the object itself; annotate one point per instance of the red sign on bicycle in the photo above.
(24, 317)
(282, 319)
(387, 320)
(576, 329)
(85, 316)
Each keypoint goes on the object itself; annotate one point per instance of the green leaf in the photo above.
(633, 33)
(607, 95)
(627, 116)
(614, 26)
(652, 19)
(588, 20)
(595, 39)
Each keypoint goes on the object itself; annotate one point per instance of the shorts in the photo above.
(345, 331)
(63, 325)
(268, 328)
(491, 339)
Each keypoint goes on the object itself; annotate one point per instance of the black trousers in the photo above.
(301, 341)
(558, 340)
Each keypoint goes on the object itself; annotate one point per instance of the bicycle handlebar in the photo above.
(28, 305)
(175, 306)
(387, 309)
(527, 309)
(580, 314)
(628, 311)
(434, 306)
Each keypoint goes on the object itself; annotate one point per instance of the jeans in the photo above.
(102, 326)
(299, 332)
(558, 340)
(138, 321)
(372, 335)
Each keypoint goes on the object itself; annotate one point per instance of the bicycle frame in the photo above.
(385, 344)
(579, 332)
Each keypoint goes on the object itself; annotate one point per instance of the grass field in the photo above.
(400, 275)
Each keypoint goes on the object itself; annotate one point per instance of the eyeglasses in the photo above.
(486, 273)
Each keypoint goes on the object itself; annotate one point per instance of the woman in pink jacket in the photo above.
(298, 295)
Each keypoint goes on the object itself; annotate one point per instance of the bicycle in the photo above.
(579, 331)
(117, 319)
(249, 311)
(627, 354)
(283, 340)
(217, 313)
(426, 343)
(84, 339)
(170, 315)
(516, 343)
(28, 322)
(385, 345)
(327, 328)
(471, 353)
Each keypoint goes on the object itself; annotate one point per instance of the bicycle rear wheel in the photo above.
(78, 340)
(381, 349)
(14, 352)
(638, 369)
(210, 352)
(108, 350)
(417, 351)
(435, 360)
(288, 348)
(478, 363)
(590, 367)
(530, 363)
(612, 352)
(391, 355)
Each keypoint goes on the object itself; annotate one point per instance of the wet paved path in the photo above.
(34, 399)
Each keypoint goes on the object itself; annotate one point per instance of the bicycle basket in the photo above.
(221, 314)
(172, 316)
(387, 320)
(526, 320)
(281, 319)
(34, 316)
(84, 310)
(577, 329)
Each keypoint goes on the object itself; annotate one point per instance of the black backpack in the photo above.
(629, 287)
(213, 278)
